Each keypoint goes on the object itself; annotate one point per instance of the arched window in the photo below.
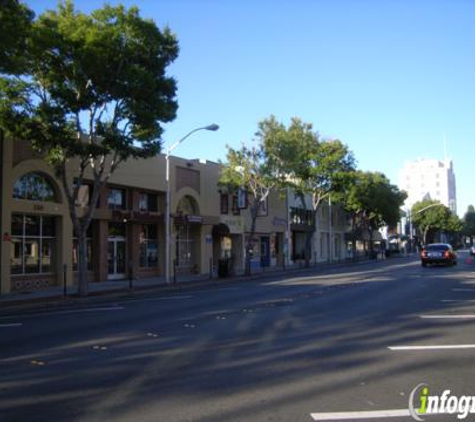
(187, 206)
(34, 187)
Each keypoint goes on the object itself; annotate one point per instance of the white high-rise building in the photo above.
(429, 179)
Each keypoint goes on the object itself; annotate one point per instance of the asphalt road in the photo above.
(302, 348)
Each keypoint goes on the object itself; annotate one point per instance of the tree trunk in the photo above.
(249, 244)
(82, 262)
(370, 247)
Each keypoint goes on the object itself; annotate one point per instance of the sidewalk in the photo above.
(126, 288)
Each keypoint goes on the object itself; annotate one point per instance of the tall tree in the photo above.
(431, 216)
(249, 169)
(95, 94)
(15, 21)
(308, 164)
(372, 202)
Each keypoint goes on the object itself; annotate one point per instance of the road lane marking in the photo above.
(13, 324)
(466, 316)
(441, 347)
(457, 300)
(463, 290)
(370, 414)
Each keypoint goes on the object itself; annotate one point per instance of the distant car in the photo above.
(472, 250)
(438, 253)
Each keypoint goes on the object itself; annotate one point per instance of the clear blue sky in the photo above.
(389, 78)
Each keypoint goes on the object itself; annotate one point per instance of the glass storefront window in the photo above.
(116, 199)
(48, 226)
(32, 225)
(32, 256)
(117, 229)
(17, 225)
(148, 202)
(47, 254)
(16, 257)
(148, 246)
(33, 244)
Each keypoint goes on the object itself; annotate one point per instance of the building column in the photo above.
(64, 228)
(6, 157)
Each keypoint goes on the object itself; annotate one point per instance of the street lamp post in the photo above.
(168, 238)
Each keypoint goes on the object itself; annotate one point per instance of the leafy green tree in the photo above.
(431, 217)
(249, 169)
(307, 164)
(383, 201)
(15, 21)
(468, 222)
(372, 202)
(96, 93)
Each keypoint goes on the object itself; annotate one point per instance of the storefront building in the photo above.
(330, 236)
(126, 238)
(210, 227)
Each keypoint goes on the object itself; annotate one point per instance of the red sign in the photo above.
(7, 237)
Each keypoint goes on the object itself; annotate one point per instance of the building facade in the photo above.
(429, 179)
(126, 238)
(330, 236)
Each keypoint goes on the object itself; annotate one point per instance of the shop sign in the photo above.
(235, 224)
(194, 219)
(135, 216)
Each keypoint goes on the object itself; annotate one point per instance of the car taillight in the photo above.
(447, 254)
(424, 254)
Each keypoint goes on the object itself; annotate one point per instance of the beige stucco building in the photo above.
(127, 235)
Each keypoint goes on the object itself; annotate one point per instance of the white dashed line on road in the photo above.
(15, 324)
(434, 347)
(463, 316)
(463, 290)
(371, 414)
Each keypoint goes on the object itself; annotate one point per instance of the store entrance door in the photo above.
(265, 251)
(116, 259)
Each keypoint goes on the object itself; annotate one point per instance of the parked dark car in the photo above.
(438, 253)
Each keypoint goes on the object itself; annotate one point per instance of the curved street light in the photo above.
(168, 242)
